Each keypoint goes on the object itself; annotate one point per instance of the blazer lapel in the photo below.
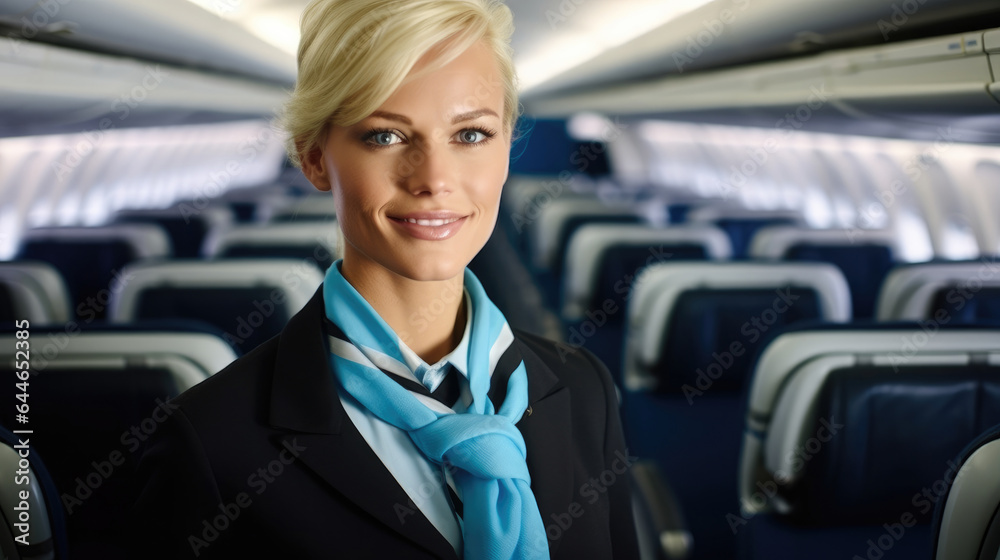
(304, 399)
(547, 433)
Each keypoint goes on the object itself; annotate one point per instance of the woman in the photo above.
(397, 415)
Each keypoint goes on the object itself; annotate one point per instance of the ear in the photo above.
(314, 167)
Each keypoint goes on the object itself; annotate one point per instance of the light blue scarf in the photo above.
(484, 448)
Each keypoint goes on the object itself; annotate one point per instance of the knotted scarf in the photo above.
(481, 446)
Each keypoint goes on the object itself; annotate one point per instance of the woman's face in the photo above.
(417, 183)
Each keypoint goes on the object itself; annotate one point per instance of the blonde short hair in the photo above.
(354, 54)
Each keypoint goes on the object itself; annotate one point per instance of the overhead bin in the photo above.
(49, 89)
(953, 75)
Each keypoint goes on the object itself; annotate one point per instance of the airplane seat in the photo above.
(691, 332)
(91, 259)
(554, 227)
(967, 518)
(741, 224)
(47, 535)
(516, 208)
(308, 208)
(850, 432)
(510, 286)
(864, 256)
(311, 241)
(250, 300)
(602, 262)
(32, 290)
(186, 224)
(961, 292)
(254, 204)
(96, 394)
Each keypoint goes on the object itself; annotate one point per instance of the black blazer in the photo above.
(262, 461)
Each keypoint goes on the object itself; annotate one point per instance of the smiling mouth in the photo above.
(431, 223)
(432, 228)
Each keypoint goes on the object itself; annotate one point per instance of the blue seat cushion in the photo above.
(186, 233)
(742, 230)
(247, 316)
(621, 264)
(713, 335)
(7, 310)
(769, 537)
(697, 447)
(313, 253)
(903, 426)
(89, 426)
(575, 222)
(864, 267)
(966, 305)
(87, 267)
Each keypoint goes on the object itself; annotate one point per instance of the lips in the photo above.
(430, 226)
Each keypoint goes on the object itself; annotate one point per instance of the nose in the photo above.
(428, 170)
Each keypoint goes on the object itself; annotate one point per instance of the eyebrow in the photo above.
(471, 115)
(392, 117)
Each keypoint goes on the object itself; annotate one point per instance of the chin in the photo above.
(432, 267)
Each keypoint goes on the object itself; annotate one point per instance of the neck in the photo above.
(428, 316)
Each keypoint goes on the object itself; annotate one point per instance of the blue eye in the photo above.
(382, 138)
(385, 138)
(471, 136)
(474, 136)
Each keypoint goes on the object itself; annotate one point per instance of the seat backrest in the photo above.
(90, 259)
(310, 208)
(96, 396)
(848, 425)
(963, 292)
(741, 224)
(316, 241)
(249, 299)
(187, 224)
(690, 323)
(26, 490)
(556, 222)
(864, 256)
(967, 517)
(600, 256)
(33, 290)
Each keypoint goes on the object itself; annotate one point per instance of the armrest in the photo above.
(659, 514)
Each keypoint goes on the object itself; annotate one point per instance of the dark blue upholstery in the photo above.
(967, 306)
(864, 267)
(302, 218)
(901, 429)
(550, 280)
(619, 266)
(509, 285)
(186, 232)
(243, 211)
(57, 517)
(696, 436)
(87, 267)
(707, 322)
(311, 252)
(7, 309)
(875, 483)
(697, 447)
(742, 230)
(247, 316)
(83, 416)
(678, 212)
(544, 147)
(770, 538)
